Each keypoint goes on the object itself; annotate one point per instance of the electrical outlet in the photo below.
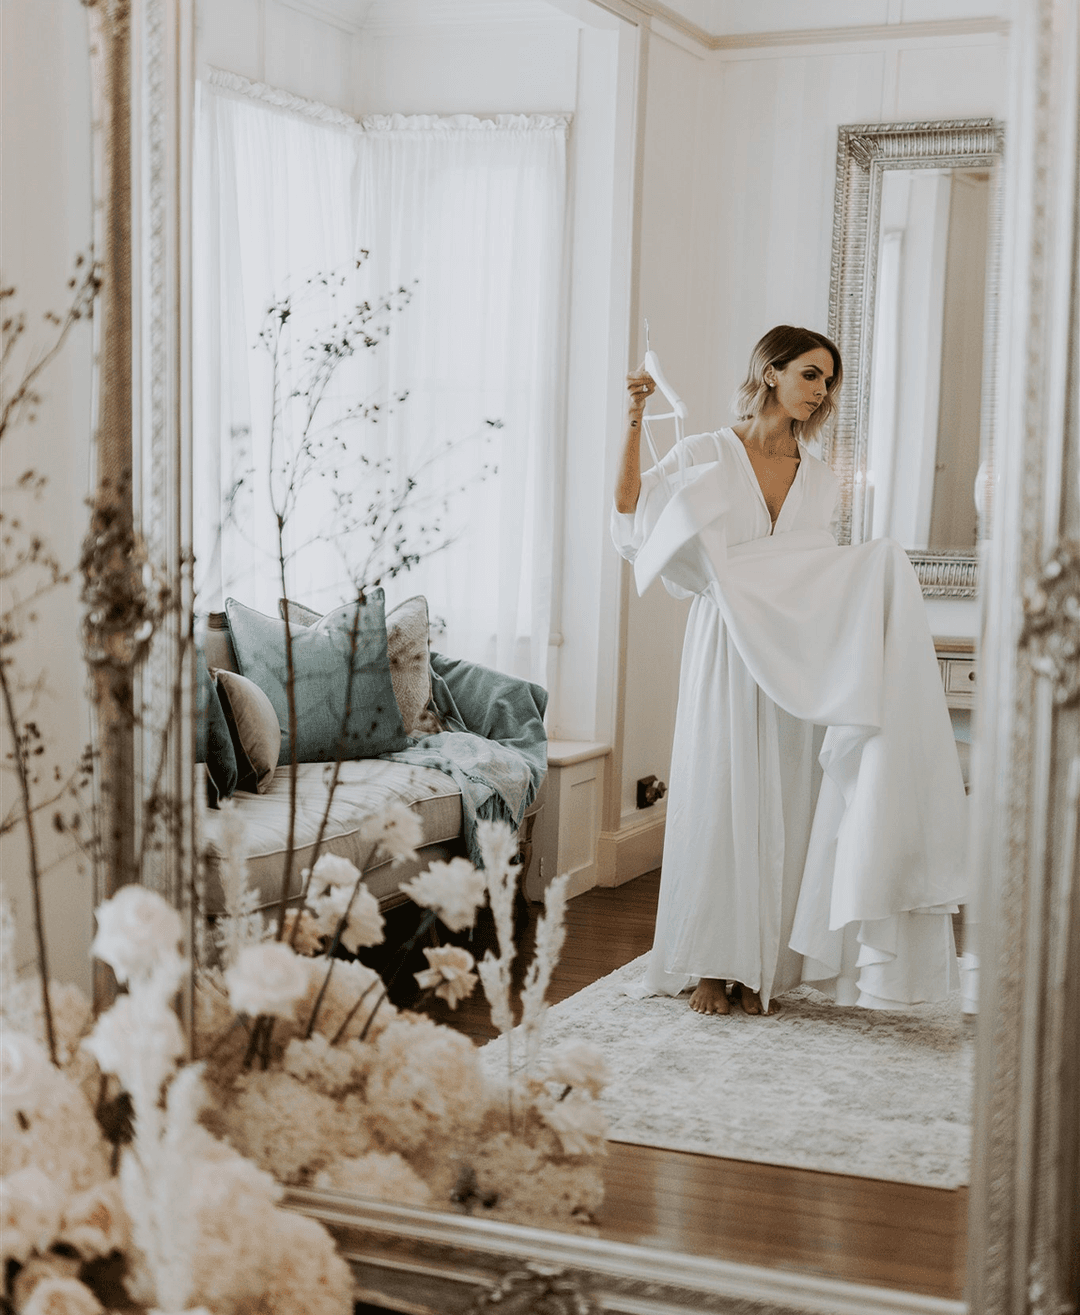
(649, 790)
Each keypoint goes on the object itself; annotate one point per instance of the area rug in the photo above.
(872, 1093)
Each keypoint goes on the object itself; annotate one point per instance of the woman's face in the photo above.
(799, 388)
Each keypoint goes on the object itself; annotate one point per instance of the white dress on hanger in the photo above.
(798, 656)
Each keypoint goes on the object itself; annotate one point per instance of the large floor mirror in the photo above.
(939, 263)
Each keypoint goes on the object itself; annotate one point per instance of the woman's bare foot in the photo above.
(751, 1001)
(710, 997)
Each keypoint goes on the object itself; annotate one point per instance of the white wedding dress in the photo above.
(816, 813)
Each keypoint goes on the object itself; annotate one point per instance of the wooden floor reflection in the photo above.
(860, 1229)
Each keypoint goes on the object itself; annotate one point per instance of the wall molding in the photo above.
(644, 11)
(630, 851)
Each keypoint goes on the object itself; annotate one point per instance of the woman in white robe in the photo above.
(798, 655)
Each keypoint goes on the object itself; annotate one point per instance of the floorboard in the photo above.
(860, 1229)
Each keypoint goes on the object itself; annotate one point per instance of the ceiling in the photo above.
(709, 19)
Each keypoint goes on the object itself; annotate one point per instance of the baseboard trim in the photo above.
(629, 852)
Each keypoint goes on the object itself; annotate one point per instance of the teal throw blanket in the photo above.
(495, 747)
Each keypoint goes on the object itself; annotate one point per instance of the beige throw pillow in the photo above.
(253, 725)
(410, 669)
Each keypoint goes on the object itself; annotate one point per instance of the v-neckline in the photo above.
(757, 483)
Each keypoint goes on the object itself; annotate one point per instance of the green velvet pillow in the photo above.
(213, 743)
(333, 718)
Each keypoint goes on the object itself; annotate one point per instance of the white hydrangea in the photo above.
(136, 928)
(25, 1072)
(452, 890)
(30, 1208)
(267, 979)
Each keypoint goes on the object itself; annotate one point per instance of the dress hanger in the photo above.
(652, 365)
(678, 411)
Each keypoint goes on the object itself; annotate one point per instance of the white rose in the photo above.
(452, 890)
(266, 979)
(449, 973)
(332, 870)
(30, 1208)
(364, 925)
(135, 928)
(578, 1122)
(62, 1296)
(396, 831)
(578, 1064)
(25, 1072)
(137, 1035)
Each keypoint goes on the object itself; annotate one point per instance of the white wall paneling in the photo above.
(45, 216)
(737, 210)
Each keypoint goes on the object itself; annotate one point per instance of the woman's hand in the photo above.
(640, 385)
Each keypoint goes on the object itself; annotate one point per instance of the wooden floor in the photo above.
(858, 1229)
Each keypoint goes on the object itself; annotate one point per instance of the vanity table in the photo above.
(957, 664)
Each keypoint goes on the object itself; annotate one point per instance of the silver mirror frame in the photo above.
(864, 152)
(1025, 1194)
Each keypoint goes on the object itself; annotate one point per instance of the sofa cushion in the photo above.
(410, 660)
(364, 787)
(254, 729)
(212, 636)
(335, 718)
(408, 654)
(213, 741)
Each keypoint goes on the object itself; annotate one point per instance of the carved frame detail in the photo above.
(864, 152)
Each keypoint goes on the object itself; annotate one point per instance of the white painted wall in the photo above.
(679, 208)
(45, 219)
(520, 69)
(276, 43)
(736, 237)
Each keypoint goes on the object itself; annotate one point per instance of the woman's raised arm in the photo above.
(639, 385)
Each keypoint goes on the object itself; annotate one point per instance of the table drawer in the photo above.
(959, 677)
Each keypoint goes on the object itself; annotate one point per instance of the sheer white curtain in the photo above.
(467, 216)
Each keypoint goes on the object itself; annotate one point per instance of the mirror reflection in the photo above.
(926, 379)
(407, 409)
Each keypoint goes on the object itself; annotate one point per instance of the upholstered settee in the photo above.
(451, 740)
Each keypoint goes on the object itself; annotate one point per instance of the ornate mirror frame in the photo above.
(864, 152)
(1024, 1197)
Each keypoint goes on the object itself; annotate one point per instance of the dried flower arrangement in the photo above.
(130, 1180)
(350, 1093)
(134, 1180)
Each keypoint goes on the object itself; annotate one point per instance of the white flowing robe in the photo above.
(799, 656)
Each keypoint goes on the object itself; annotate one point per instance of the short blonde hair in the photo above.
(778, 348)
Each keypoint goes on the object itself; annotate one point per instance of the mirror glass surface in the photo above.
(926, 375)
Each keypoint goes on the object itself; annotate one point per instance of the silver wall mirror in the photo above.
(913, 308)
(1023, 1205)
